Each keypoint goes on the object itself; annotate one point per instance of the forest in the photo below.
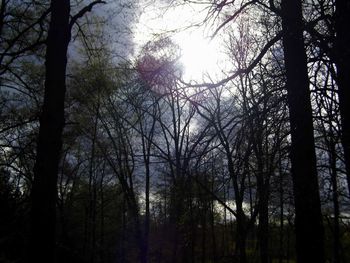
(118, 144)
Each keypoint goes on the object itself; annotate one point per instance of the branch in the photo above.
(22, 33)
(272, 7)
(318, 39)
(16, 125)
(232, 17)
(218, 199)
(83, 11)
(240, 71)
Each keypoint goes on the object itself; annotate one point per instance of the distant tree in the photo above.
(309, 228)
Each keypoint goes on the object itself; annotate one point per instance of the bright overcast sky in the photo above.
(200, 55)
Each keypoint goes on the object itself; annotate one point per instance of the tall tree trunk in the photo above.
(93, 191)
(204, 232)
(135, 214)
(281, 192)
(224, 242)
(342, 57)
(147, 216)
(44, 190)
(241, 236)
(263, 193)
(308, 217)
(335, 197)
(123, 230)
(263, 227)
(212, 219)
(102, 217)
(146, 149)
(193, 225)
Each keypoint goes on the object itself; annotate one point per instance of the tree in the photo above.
(44, 189)
(342, 61)
(309, 227)
(135, 165)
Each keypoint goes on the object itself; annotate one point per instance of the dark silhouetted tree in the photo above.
(308, 217)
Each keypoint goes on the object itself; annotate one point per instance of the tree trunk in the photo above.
(204, 232)
(146, 149)
(147, 216)
(212, 217)
(135, 213)
(308, 217)
(342, 57)
(263, 228)
(281, 193)
(263, 193)
(335, 197)
(44, 190)
(102, 218)
(92, 194)
(241, 237)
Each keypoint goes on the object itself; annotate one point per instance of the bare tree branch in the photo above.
(239, 71)
(232, 17)
(84, 10)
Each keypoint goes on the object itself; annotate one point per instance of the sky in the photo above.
(201, 56)
(129, 25)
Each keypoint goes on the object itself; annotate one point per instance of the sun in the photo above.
(201, 56)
